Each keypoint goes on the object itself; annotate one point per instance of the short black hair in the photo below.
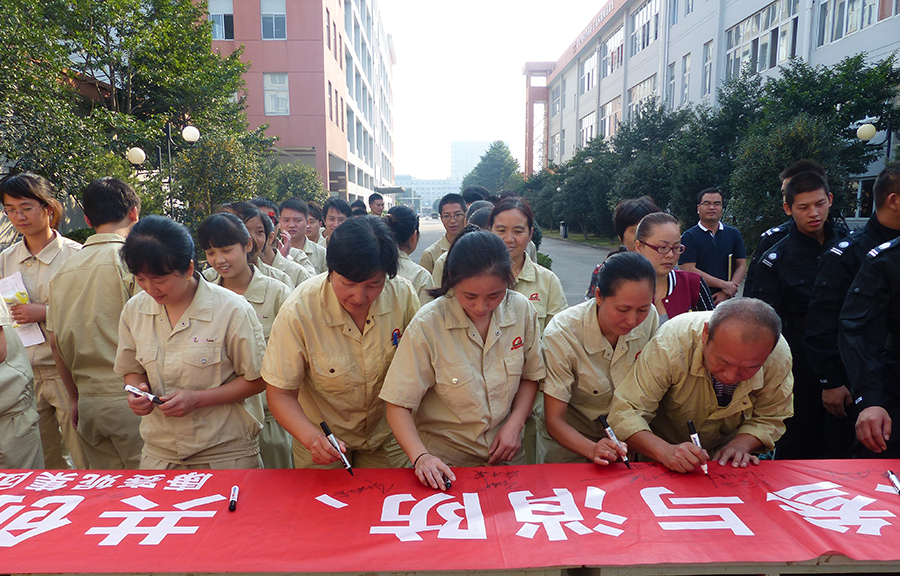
(375, 196)
(451, 198)
(403, 223)
(338, 204)
(158, 246)
(357, 204)
(475, 192)
(480, 217)
(477, 205)
(624, 267)
(295, 204)
(314, 210)
(710, 190)
(804, 182)
(108, 200)
(224, 229)
(513, 204)
(629, 213)
(357, 212)
(474, 252)
(887, 183)
(360, 248)
(804, 165)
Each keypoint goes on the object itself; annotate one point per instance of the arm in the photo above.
(602, 452)
(183, 402)
(508, 440)
(283, 404)
(740, 269)
(430, 470)
(140, 405)
(740, 451)
(28, 313)
(682, 457)
(66, 376)
(711, 280)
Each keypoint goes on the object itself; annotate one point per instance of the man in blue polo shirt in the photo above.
(713, 250)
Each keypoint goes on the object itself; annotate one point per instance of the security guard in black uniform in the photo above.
(770, 237)
(869, 341)
(837, 269)
(785, 280)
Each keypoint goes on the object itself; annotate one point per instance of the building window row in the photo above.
(589, 72)
(838, 18)
(587, 127)
(610, 114)
(276, 97)
(762, 41)
(639, 94)
(613, 52)
(644, 26)
(555, 96)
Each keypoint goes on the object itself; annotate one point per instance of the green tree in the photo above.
(584, 195)
(296, 180)
(494, 169)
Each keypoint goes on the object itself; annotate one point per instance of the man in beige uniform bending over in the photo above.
(728, 371)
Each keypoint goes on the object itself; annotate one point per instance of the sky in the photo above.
(459, 71)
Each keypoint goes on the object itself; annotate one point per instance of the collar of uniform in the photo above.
(594, 340)
(333, 314)
(812, 242)
(503, 314)
(256, 290)
(107, 238)
(879, 230)
(529, 272)
(404, 255)
(444, 243)
(702, 227)
(46, 255)
(200, 307)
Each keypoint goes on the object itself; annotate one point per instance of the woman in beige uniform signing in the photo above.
(196, 346)
(465, 375)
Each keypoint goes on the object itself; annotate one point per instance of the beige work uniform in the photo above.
(87, 295)
(543, 289)
(316, 255)
(321, 241)
(418, 277)
(57, 432)
(216, 339)
(299, 257)
(670, 385)
(20, 436)
(266, 296)
(459, 387)
(296, 271)
(317, 349)
(275, 273)
(583, 370)
(437, 274)
(433, 252)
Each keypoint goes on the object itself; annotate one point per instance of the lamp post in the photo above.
(867, 131)
(137, 156)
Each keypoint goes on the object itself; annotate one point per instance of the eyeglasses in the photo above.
(454, 216)
(707, 204)
(23, 211)
(676, 249)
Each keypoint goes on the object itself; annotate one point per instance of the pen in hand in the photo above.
(333, 441)
(695, 438)
(612, 436)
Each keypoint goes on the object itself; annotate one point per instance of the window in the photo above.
(562, 95)
(610, 114)
(613, 52)
(221, 14)
(673, 12)
(639, 94)
(330, 102)
(587, 128)
(554, 147)
(688, 6)
(275, 93)
(562, 143)
(685, 78)
(838, 18)
(589, 72)
(644, 25)
(707, 68)
(328, 28)
(670, 83)
(274, 19)
(554, 101)
(762, 41)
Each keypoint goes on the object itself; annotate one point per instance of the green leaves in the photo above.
(494, 170)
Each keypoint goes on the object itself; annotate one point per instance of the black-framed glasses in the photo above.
(676, 249)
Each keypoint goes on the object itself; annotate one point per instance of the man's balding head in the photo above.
(738, 339)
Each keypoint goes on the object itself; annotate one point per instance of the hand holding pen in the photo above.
(695, 438)
(601, 448)
(338, 446)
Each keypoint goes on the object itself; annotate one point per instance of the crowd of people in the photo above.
(297, 315)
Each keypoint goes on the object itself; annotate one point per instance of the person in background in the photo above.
(478, 214)
(404, 224)
(452, 209)
(838, 268)
(34, 212)
(658, 239)
(195, 345)
(376, 203)
(627, 215)
(229, 248)
(714, 250)
(331, 346)
(294, 219)
(728, 371)
(785, 279)
(87, 295)
(290, 273)
(314, 223)
(473, 194)
(335, 212)
(20, 435)
(358, 208)
(588, 349)
(513, 221)
(466, 372)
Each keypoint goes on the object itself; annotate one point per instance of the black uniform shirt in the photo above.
(766, 240)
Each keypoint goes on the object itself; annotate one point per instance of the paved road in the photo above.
(572, 263)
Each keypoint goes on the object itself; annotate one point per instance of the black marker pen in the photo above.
(232, 501)
(333, 441)
(612, 436)
(139, 392)
(695, 438)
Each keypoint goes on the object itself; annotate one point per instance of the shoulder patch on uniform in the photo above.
(772, 230)
(874, 252)
(772, 256)
(843, 244)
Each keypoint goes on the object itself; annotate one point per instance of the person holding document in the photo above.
(465, 375)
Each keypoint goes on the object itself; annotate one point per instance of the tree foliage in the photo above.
(296, 180)
(494, 169)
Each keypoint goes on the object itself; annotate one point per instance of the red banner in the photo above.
(490, 519)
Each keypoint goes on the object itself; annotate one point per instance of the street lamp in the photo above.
(867, 131)
(137, 156)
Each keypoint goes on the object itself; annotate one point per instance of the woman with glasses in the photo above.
(658, 238)
(34, 212)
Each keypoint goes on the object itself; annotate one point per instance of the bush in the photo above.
(544, 260)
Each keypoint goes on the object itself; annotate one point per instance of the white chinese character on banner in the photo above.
(823, 504)
(167, 521)
(727, 519)
(560, 510)
(140, 481)
(34, 522)
(417, 519)
(191, 481)
(12, 479)
(47, 481)
(96, 482)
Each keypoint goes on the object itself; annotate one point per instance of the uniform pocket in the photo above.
(202, 368)
(513, 365)
(332, 373)
(455, 385)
